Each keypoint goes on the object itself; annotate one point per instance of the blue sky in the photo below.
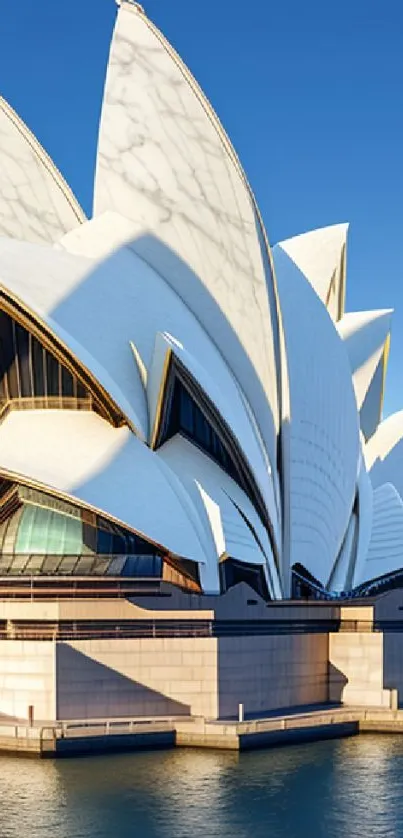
(311, 94)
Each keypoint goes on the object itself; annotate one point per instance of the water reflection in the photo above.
(328, 790)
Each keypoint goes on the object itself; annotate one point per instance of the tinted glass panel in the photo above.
(13, 380)
(38, 368)
(67, 565)
(23, 350)
(50, 565)
(104, 542)
(52, 375)
(67, 383)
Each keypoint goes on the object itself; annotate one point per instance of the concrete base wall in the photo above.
(203, 676)
(393, 662)
(197, 676)
(27, 677)
(356, 669)
(137, 677)
(266, 673)
(206, 677)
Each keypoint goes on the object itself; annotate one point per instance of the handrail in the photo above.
(143, 628)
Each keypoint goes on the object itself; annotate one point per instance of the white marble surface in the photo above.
(165, 164)
(324, 431)
(35, 202)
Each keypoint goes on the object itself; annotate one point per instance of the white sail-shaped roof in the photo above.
(321, 255)
(229, 514)
(366, 336)
(384, 453)
(324, 431)
(165, 163)
(385, 552)
(36, 203)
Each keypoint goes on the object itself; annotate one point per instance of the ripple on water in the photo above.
(339, 789)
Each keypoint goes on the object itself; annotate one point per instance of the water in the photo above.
(351, 788)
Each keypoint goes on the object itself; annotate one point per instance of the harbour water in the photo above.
(348, 788)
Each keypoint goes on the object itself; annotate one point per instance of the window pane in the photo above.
(202, 430)
(34, 565)
(50, 565)
(186, 412)
(38, 368)
(81, 391)
(52, 375)
(13, 379)
(22, 339)
(118, 544)
(104, 542)
(67, 383)
(6, 351)
(67, 565)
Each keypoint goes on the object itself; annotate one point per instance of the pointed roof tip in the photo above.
(374, 312)
(365, 316)
(133, 4)
(339, 227)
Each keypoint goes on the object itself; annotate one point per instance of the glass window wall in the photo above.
(32, 376)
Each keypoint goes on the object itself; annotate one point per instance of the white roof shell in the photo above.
(384, 453)
(366, 337)
(324, 432)
(320, 256)
(216, 497)
(36, 203)
(385, 552)
(176, 260)
(165, 163)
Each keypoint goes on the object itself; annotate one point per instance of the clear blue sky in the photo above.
(310, 92)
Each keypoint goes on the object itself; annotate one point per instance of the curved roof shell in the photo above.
(324, 432)
(384, 453)
(36, 203)
(366, 336)
(320, 255)
(385, 551)
(165, 162)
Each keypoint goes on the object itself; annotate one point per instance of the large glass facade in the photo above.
(31, 376)
(44, 531)
(42, 535)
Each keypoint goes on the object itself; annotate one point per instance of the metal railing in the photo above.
(194, 628)
(81, 728)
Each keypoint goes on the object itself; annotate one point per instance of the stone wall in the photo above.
(137, 677)
(27, 677)
(393, 662)
(356, 669)
(197, 676)
(266, 673)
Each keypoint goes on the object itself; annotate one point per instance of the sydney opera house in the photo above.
(180, 403)
(191, 437)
